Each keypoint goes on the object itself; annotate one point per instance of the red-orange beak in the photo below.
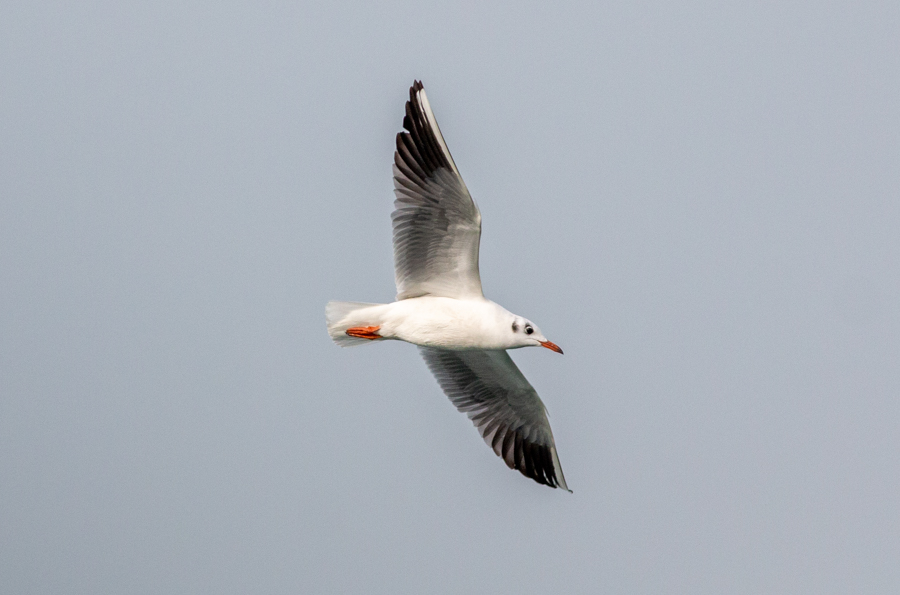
(551, 346)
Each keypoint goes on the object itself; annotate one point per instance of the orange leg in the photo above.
(364, 332)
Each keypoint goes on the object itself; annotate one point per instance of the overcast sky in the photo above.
(698, 201)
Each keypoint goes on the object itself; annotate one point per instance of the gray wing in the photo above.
(437, 226)
(490, 389)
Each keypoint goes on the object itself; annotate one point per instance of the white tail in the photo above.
(342, 315)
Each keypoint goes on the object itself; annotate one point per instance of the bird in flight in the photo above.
(463, 336)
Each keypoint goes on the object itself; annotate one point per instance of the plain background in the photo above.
(699, 201)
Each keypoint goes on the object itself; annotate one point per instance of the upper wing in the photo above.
(490, 389)
(437, 227)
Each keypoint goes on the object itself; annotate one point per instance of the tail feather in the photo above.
(342, 315)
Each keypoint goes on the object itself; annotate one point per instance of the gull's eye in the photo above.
(528, 329)
(515, 327)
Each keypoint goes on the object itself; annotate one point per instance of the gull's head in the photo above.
(525, 333)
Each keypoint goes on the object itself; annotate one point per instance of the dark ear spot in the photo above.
(515, 327)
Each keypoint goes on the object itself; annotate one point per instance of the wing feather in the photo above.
(437, 226)
(490, 389)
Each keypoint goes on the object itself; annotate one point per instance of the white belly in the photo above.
(445, 322)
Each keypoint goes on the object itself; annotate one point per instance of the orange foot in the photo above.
(364, 332)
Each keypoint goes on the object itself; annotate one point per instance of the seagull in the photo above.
(440, 307)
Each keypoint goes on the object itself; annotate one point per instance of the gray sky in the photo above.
(700, 203)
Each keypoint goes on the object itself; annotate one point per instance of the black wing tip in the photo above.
(536, 463)
(550, 481)
(424, 148)
(414, 90)
(413, 113)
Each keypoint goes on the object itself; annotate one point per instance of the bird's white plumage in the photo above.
(440, 307)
